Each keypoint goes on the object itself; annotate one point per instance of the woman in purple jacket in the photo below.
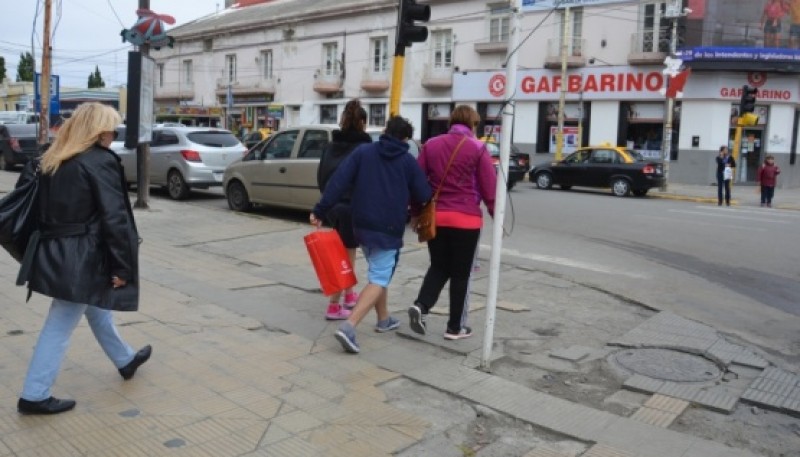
(470, 179)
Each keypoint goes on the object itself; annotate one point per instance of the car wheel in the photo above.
(565, 187)
(176, 186)
(511, 185)
(620, 187)
(639, 192)
(238, 200)
(544, 180)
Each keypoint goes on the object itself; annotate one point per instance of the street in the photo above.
(729, 267)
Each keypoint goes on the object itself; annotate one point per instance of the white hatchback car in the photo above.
(182, 158)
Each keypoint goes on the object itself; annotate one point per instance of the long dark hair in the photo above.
(354, 116)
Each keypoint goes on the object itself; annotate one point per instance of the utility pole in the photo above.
(44, 80)
(500, 190)
(143, 148)
(563, 96)
(673, 12)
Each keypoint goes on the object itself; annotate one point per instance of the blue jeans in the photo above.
(54, 340)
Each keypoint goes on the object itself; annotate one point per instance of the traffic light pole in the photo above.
(408, 12)
(666, 145)
(397, 81)
(563, 94)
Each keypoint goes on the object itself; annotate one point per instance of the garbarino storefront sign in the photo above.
(610, 83)
(549, 4)
(621, 83)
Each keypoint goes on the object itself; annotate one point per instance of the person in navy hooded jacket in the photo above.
(383, 179)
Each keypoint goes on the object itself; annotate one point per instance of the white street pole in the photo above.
(501, 189)
(666, 145)
(563, 95)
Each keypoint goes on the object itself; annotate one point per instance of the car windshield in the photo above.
(213, 139)
(635, 155)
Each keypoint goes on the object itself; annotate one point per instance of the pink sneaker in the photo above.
(336, 312)
(350, 300)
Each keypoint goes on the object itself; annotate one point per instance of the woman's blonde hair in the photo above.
(79, 133)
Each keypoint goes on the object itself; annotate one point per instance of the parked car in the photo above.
(516, 163)
(279, 171)
(255, 137)
(19, 143)
(621, 169)
(184, 158)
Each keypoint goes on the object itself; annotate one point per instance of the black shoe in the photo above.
(51, 405)
(141, 357)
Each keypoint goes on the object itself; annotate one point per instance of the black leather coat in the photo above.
(88, 233)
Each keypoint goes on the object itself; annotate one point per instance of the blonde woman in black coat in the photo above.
(87, 255)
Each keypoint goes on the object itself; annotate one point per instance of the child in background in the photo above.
(768, 177)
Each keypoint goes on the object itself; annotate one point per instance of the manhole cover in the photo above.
(667, 365)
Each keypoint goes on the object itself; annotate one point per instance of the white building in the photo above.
(289, 62)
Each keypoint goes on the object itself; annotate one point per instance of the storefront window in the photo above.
(327, 114)
(377, 115)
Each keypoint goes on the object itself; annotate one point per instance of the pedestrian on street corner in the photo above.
(87, 256)
(353, 133)
(725, 172)
(383, 179)
(768, 178)
(460, 167)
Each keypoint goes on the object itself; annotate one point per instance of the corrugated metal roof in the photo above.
(273, 13)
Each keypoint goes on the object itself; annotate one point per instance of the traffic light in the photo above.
(748, 102)
(407, 31)
(747, 105)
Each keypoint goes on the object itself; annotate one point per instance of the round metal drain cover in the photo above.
(667, 365)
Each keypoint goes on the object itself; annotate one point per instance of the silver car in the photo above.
(279, 171)
(183, 158)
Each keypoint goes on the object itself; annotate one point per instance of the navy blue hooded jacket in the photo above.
(383, 179)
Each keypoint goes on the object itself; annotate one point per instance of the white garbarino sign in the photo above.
(619, 83)
(532, 5)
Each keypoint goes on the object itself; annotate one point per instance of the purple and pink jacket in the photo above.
(472, 177)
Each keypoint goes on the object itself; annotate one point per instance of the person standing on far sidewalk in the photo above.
(383, 179)
(351, 135)
(725, 169)
(458, 165)
(87, 256)
(768, 177)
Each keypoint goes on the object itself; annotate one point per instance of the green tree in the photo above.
(25, 67)
(2, 69)
(95, 79)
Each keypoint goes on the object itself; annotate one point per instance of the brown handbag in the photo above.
(426, 222)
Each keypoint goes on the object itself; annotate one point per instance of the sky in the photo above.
(85, 34)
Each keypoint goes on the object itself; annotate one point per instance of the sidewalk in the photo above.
(221, 384)
(743, 195)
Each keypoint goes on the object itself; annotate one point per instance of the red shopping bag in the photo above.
(330, 260)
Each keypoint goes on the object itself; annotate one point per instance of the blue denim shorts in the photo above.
(381, 264)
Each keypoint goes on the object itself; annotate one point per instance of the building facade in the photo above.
(279, 64)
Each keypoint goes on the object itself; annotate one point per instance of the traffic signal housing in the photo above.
(408, 31)
(747, 105)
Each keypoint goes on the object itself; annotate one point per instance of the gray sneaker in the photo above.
(346, 335)
(387, 325)
(416, 320)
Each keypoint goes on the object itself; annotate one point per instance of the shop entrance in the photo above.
(750, 153)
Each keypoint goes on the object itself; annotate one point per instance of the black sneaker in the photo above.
(416, 320)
